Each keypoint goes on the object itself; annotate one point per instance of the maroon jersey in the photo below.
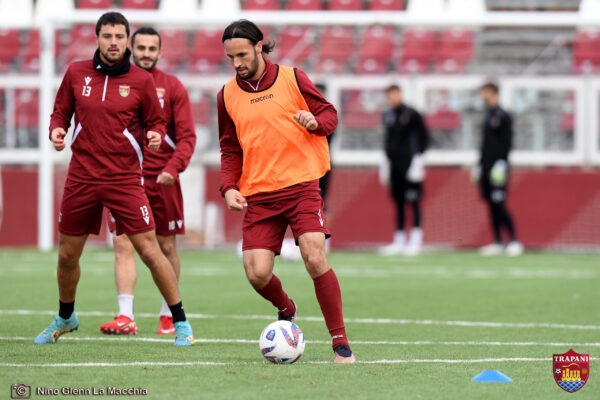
(112, 115)
(179, 142)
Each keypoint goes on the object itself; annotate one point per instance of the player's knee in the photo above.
(168, 248)
(257, 276)
(67, 259)
(315, 261)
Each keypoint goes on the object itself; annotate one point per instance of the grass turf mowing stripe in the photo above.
(484, 324)
(216, 363)
(354, 342)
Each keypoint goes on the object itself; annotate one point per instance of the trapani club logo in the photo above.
(571, 370)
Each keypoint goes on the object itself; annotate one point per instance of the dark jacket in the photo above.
(497, 137)
(405, 136)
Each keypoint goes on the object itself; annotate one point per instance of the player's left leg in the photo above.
(125, 279)
(328, 292)
(514, 247)
(168, 246)
(413, 194)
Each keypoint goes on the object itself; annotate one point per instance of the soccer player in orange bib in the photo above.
(273, 124)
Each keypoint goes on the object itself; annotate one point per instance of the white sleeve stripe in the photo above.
(76, 133)
(135, 145)
(170, 142)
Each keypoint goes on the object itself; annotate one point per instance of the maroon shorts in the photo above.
(82, 203)
(265, 222)
(166, 202)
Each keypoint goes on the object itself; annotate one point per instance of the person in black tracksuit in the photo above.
(493, 171)
(406, 139)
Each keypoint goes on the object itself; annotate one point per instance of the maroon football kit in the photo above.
(113, 108)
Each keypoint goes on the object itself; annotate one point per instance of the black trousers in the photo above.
(404, 192)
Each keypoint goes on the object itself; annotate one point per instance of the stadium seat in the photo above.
(27, 108)
(443, 120)
(455, 50)
(81, 46)
(295, 45)
(202, 108)
(345, 5)
(174, 48)
(336, 46)
(11, 44)
(386, 5)
(260, 5)
(207, 51)
(418, 49)
(375, 50)
(567, 118)
(30, 54)
(304, 5)
(586, 57)
(140, 4)
(360, 112)
(95, 4)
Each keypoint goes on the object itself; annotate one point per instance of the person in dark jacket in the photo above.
(406, 139)
(492, 171)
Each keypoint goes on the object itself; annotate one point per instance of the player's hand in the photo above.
(306, 119)
(235, 201)
(165, 178)
(154, 140)
(57, 137)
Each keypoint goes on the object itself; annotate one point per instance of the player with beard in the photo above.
(272, 127)
(161, 171)
(115, 111)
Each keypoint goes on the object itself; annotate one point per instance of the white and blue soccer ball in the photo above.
(282, 342)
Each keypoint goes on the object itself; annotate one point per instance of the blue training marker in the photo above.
(491, 375)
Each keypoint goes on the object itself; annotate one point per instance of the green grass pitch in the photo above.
(421, 328)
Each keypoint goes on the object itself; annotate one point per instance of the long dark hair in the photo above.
(245, 29)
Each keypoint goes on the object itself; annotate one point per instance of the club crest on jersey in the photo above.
(571, 370)
(160, 92)
(124, 90)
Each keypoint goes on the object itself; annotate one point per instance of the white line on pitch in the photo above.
(374, 321)
(354, 342)
(211, 363)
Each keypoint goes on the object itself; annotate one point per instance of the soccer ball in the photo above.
(282, 342)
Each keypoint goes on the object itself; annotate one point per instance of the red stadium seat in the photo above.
(174, 46)
(300, 5)
(360, 112)
(375, 50)
(95, 4)
(27, 108)
(140, 4)
(207, 51)
(444, 120)
(82, 44)
(455, 50)
(586, 57)
(9, 51)
(260, 5)
(418, 49)
(345, 5)
(295, 45)
(202, 108)
(336, 46)
(386, 5)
